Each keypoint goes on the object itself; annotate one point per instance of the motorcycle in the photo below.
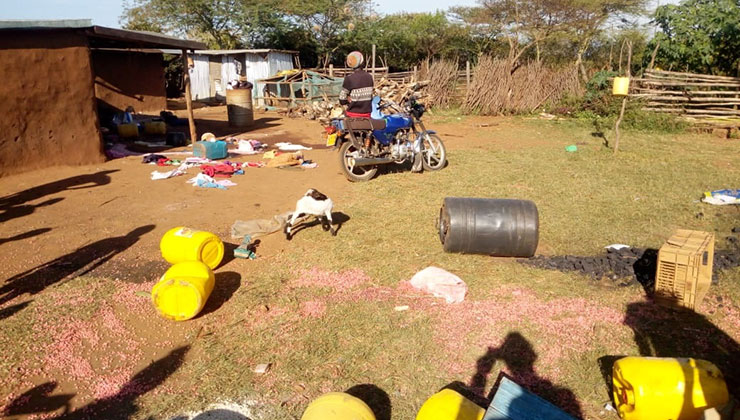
(366, 143)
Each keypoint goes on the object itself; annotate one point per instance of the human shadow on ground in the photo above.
(24, 210)
(13, 206)
(38, 400)
(227, 283)
(375, 398)
(121, 405)
(24, 235)
(73, 183)
(518, 356)
(666, 332)
(78, 262)
(305, 222)
(13, 309)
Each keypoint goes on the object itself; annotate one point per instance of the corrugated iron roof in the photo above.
(104, 37)
(242, 51)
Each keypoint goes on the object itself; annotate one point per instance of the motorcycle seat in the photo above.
(364, 124)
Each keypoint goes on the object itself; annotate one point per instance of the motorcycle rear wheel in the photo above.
(359, 174)
(434, 155)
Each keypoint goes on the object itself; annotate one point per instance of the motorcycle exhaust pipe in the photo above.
(370, 161)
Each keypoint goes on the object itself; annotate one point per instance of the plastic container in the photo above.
(338, 406)
(183, 290)
(128, 130)
(210, 149)
(621, 86)
(239, 107)
(649, 388)
(498, 227)
(155, 127)
(449, 405)
(684, 271)
(184, 244)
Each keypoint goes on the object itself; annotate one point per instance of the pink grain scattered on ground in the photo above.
(313, 308)
(107, 386)
(134, 295)
(343, 280)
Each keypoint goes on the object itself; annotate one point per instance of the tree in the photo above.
(326, 20)
(405, 39)
(700, 36)
(218, 23)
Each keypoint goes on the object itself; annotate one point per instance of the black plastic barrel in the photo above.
(491, 226)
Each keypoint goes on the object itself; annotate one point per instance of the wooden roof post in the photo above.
(188, 96)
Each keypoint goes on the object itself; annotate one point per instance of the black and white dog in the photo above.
(313, 203)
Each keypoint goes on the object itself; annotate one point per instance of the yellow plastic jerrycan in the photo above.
(652, 388)
(128, 130)
(183, 290)
(155, 127)
(449, 405)
(338, 406)
(621, 86)
(185, 244)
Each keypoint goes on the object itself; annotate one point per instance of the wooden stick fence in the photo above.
(689, 94)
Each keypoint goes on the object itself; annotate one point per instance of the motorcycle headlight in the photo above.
(418, 110)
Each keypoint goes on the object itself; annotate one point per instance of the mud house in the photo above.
(214, 69)
(59, 79)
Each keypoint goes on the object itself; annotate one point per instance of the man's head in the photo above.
(355, 59)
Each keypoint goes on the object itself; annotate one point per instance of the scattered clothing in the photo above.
(722, 197)
(253, 164)
(205, 181)
(244, 148)
(286, 159)
(152, 158)
(221, 170)
(309, 165)
(175, 172)
(290, 147)
(440, 283)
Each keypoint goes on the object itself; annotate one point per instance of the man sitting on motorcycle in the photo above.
(357, 89)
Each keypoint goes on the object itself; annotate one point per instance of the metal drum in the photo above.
(497, 227)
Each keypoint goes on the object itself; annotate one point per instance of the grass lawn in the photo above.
(324, 314)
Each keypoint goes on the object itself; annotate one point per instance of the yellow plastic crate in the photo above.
(684, 271)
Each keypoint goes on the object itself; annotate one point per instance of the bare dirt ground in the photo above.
(54, 213)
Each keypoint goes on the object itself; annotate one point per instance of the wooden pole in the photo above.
(624, 101)
(331, 70)
(373, 61)
(188, 96)
(416, 77)
(467, 76)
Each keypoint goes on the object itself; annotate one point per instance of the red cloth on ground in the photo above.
(220, 170)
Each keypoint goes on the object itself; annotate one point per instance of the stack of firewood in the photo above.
(392, 91)
(316, 110)
(388, 90)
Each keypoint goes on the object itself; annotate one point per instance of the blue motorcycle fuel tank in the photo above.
(393, 123)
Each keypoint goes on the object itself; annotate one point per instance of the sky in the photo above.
(107, 12)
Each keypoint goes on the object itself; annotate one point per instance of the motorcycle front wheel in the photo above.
(434, 155)
(347, 153)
